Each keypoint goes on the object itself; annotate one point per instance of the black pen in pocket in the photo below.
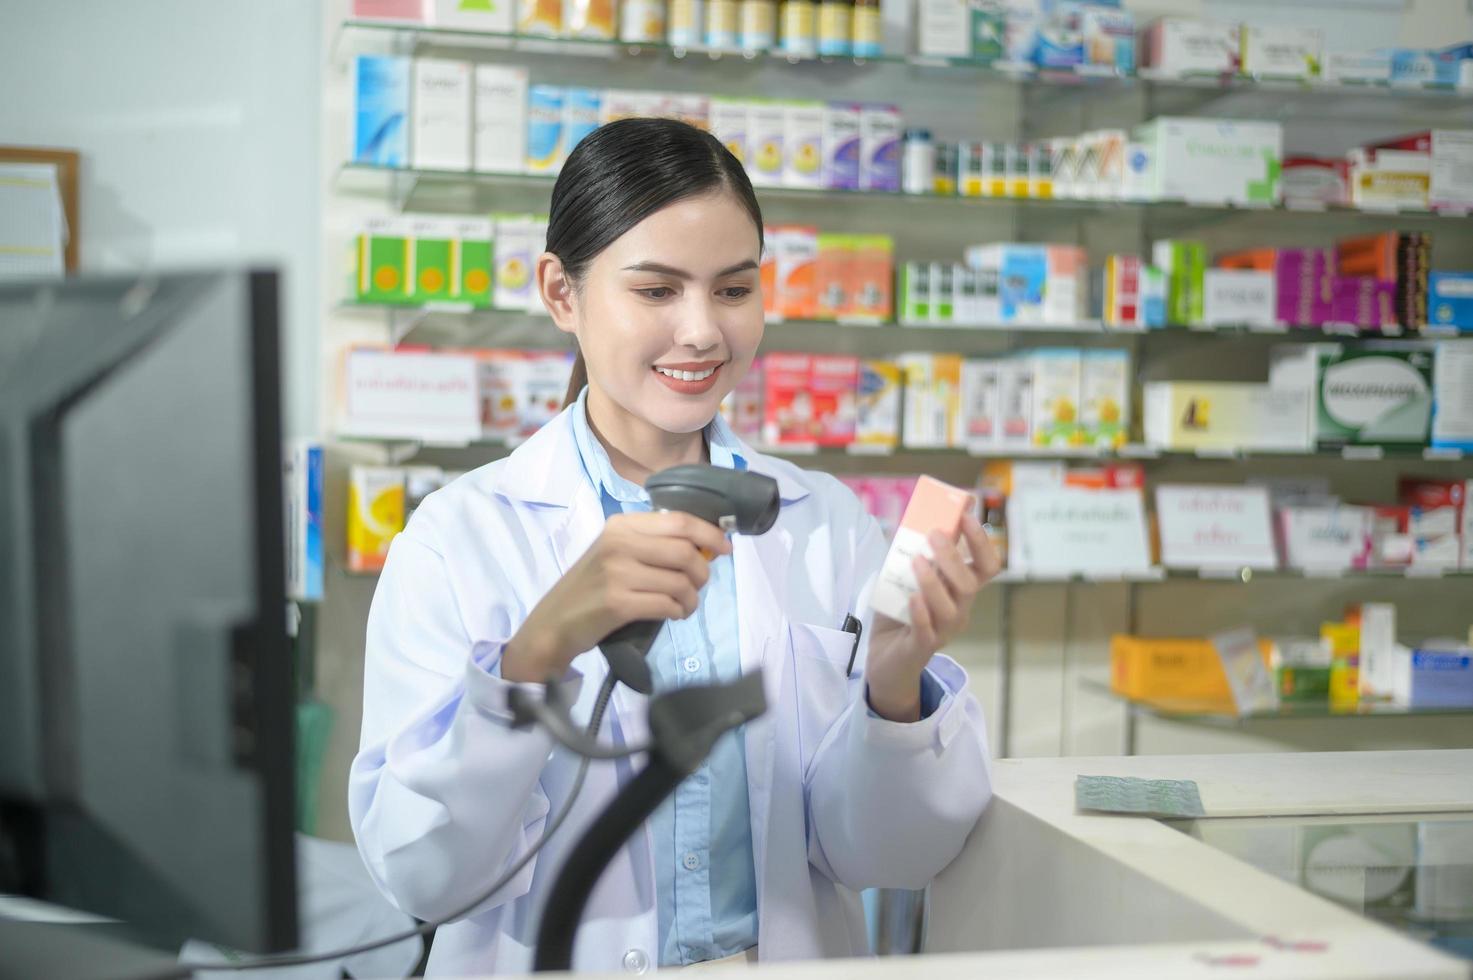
(852, 625)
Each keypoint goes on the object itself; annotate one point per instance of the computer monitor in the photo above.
(146, 702)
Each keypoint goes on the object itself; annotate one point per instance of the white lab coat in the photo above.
(444, 795)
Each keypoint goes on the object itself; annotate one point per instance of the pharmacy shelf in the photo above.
(408, 36)
(1130, 451)
(1229, 575)
(1220, 714)
(1137, 451)
(1149, 576)
(462, 324)
(418, 188)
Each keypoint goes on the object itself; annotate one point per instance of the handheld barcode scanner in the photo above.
(734, 500)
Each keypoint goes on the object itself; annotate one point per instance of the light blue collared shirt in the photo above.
(705, 877)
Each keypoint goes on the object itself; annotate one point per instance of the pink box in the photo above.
(1303, 277)
(1362, 301)
(406, 10)
(743, 407)
(834, 382)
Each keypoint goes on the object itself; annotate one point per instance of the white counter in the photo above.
(1043, 891)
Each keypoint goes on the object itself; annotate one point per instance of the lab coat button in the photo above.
(636, 962)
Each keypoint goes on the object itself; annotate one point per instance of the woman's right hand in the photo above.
(642, 566)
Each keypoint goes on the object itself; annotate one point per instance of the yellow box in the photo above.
(375, 515)
(1181, 669)
(1342, 639)
(1345, 682)
(1343, 642)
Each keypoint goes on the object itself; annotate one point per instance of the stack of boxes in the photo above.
(1353, 662)
(1054, 35)
(1430, 169)
(1425, 530)
(808, 275)
(1061, 398)
(415, 260)
(435, 114)
(1002, 284)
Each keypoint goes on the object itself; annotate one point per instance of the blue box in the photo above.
(302, 473)
(1450, 300)
(1109, 39)
(1442, 679)
(582, 108)
(1021, 281)
(1429, 67)
(1058, 39)
(381, 110)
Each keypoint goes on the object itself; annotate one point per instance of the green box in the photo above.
(1374, 395)
(943, 292)
(1300, 684)
(380, 266)
(989, 32)
(915, 292)
(434, 261)
(474, 264)
(1184, 263)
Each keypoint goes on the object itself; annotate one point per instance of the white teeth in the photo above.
(686, 375)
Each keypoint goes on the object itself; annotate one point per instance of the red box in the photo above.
(788, 408)
(834, 381)
(1425, 493)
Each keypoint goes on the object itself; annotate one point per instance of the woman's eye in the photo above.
(657, 292)
(737, 292)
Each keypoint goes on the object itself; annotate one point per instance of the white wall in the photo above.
(197, 125)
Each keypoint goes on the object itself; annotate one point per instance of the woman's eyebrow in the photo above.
(670, 270)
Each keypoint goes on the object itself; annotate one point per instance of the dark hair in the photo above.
(622, 173)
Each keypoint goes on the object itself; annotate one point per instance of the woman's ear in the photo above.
(556, 291)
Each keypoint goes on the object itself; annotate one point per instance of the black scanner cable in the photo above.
(524, 707)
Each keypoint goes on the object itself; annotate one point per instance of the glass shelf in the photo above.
(1411, 872)
(404, 185)
(1229, 575)
(1220, 713)
(423, 324)
(1153, 575)
(1131, 451)
(405, 33)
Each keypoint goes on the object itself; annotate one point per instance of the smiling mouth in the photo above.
(700, 375)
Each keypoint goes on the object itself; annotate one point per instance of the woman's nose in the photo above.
(699, 327)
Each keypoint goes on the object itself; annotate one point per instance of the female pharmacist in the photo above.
(514, 572)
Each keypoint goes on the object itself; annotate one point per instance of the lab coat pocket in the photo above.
(822, 688)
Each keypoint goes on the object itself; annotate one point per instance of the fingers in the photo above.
(674, 524)
(941, 607)
(959, 578)
(650, 605)
(674, 585)
(985, 559)
(922, 626)
(672, 554)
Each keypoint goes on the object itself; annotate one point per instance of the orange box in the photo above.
(797, 261)
(767, 274)
(934, 506)
(870, 289)
(831, 276)
(1179, 669)
(1253, 259)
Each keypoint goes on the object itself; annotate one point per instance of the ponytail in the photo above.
(578, 379)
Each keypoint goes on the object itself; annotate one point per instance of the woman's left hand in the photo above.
(898, 653)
